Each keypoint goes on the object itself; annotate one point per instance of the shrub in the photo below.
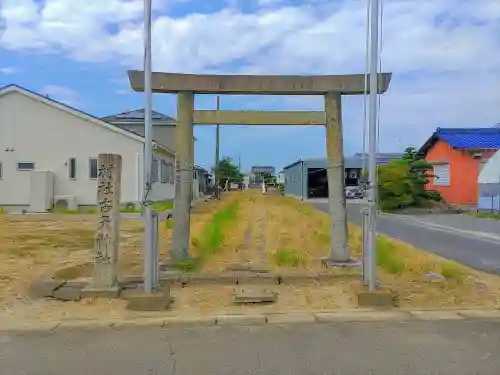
(387, 257)
(451, 271)
(401, 183)
(290, 258)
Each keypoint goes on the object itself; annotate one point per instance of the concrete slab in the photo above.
(347, 84)
(480, 314)
(223, 320)
(435, 315)
(215, 279)
(140, 322)
(258, 269)
(68, 293)
(92, 292)
(254, 295)
(86, 325)
(257, 278)
(158, 301)
(28, 326)
(238, 267)
(45, 288)
(331, 263)
(361, 316)
(290, 318)
(197, 320)
(382, 298)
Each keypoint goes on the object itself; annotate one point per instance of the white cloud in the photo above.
(9, 70)
(123, 92)
(445, 54)
(62, 94)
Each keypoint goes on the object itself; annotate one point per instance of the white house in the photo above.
(489, 185)
(41, 134)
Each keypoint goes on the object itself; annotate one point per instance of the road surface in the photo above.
(466, 239)
(382, 348)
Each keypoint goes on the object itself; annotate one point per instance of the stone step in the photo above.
(252, 295)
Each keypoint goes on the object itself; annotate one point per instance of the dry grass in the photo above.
(279, 232)
(296, 236)
(61, 245)
(403, 267)
(210, 299)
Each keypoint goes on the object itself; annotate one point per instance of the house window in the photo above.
(72, 168)
(93, 168)
(442, 175)
(164, 172)
(171, 173)
(25, 166)
(154, 171)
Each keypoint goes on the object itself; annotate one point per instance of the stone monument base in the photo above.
(97, 292)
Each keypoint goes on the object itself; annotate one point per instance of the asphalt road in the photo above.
(409, 348)
(471, 241)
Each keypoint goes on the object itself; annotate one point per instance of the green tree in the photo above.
(228, 171)
(401, 183)
(269, 178)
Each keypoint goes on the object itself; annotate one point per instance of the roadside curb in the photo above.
(358, 315)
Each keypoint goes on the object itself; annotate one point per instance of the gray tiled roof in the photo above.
(137, 116)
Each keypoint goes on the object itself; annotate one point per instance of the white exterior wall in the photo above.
(162, 191)
(489, 184)
(49, 136)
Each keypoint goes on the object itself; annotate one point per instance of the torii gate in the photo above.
(332, 87)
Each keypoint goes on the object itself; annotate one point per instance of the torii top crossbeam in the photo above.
(351, 84)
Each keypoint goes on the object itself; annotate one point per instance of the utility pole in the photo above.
(372, 146)
(149, 258)
(217, 149)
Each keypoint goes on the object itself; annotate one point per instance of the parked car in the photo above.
(353, 192)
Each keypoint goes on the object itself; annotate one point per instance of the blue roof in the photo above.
(466, 138)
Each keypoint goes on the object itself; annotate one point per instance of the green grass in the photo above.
(213, 232)
(486, 215)
(387, 257)
(451, 271)
(290, 258)
(58, 210)
(169, 223)
(2, 210)
(212, 237)
(186, 265)
(163, 205)
(131, 209)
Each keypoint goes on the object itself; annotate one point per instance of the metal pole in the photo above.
(367, 63)
(372, 134)
(148, 153)
(217, 156)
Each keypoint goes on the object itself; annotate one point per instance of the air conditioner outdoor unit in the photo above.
(65, 202)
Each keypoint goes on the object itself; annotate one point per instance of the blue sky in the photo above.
(444, 55)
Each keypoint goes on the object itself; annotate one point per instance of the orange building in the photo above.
(458, 155)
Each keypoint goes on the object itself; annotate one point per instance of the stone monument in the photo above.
(105, 278)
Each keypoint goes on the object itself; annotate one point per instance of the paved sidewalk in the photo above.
(377, 348)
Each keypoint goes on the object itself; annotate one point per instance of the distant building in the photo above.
(307, 178)
(257, 174)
